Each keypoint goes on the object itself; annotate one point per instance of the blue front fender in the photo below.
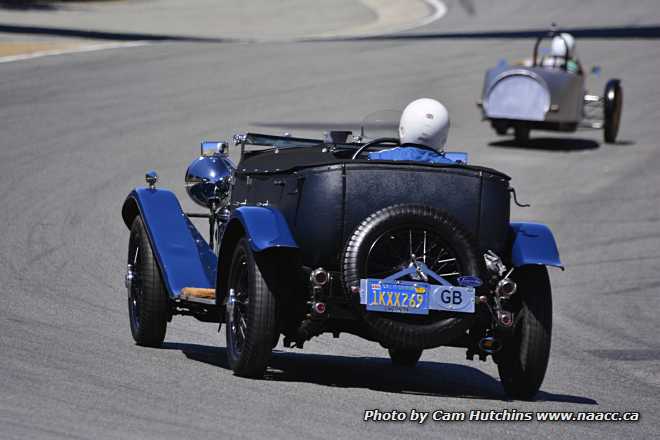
(533, 243)
(265, 227)
(184, 257)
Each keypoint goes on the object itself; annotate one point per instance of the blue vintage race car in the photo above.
(309, 236)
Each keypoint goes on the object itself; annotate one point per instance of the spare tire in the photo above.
(384, 243)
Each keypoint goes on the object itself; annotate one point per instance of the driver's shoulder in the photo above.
(409, 152)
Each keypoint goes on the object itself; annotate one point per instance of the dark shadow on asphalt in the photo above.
(375, 373)
(625, 143)
(550, 144)
(636, 32)
(36, 5)
(646, 32)
(102, 35)
(29, 5)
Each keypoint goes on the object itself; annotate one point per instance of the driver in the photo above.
(423, 131)
(562, 53)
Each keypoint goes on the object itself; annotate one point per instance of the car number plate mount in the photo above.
(415, 298)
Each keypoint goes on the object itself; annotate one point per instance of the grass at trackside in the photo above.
(11, 48)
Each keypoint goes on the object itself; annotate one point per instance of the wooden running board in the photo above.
(197, 292)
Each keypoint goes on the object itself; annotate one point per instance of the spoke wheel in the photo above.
(135, 290)
(387, 242)
(148, 303)
(237, 305)
(396, 249)
(250, 315)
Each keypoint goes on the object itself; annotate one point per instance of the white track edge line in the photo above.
(440, 9)
(437, 6)
(81, 49)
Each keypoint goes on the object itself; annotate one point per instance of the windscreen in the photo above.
(268, 140)
(381, 124)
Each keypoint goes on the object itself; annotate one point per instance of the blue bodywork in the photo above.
(264, 226)
(184, 257)
(533, 243)
(186, 260)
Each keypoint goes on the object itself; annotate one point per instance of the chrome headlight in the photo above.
(208, 178)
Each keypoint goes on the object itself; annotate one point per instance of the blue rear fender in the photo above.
(270, 238)
(533, 243)
(184, 257)
(265, 227)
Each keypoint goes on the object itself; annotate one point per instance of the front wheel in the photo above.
(613, 102)
(250, 315)
(148, 303)
(524, 358)
(521, 134)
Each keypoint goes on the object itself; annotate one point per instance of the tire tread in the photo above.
(522, 366)
(261, 325)
(154, 302)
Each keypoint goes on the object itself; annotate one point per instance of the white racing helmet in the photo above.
(563, 45)
(424, 122)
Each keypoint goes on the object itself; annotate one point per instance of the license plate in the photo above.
(414, 298)
(397, 297)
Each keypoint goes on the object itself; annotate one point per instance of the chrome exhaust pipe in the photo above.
(319, 308)
(505, 318)
(319, 277)
(506, 287)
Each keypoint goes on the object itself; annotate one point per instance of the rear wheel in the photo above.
(613, 102)
(521, 134)
(404, 358)
(148, 303)
(524, 358)
(500, 127)
(386, 242)
(250, 315)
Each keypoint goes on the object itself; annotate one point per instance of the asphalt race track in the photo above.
(77, 132)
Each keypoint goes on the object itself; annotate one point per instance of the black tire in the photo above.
(521, 133)
(251, 322)
(500, 127)
(612, 105)
(148, 303)
(398, 330)
(523, 361)
(404, 358)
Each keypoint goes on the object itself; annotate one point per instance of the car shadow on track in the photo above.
(28, 5)
(550, 144)
(375, 373)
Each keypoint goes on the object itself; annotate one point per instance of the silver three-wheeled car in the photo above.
(548, 93)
